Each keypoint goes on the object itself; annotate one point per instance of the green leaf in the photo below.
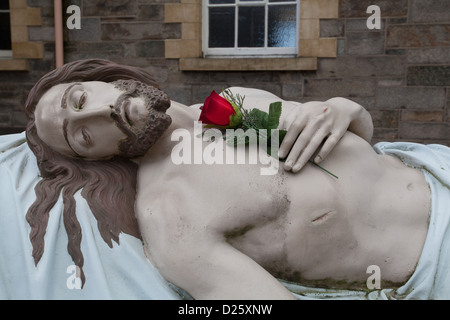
(281, 134)
(259, 119)
(274, 115)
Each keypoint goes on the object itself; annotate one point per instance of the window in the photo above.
(293, 34)
(5, 30)
(250, 27)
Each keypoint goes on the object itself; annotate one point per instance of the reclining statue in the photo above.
(225, 231)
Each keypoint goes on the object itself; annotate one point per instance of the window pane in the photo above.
(4, 4)
(251, 27)
(5, 32)
(221, 27)
(220, 1)
(281, 0)
(282, 25)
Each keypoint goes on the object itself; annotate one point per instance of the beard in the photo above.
(140, 138)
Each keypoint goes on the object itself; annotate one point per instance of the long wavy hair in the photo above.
(109, 186)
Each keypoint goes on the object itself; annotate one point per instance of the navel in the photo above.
(323, 217)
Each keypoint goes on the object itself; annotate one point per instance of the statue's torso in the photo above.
(308, 227)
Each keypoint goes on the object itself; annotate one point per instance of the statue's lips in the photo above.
(134, 113)
(126, 113)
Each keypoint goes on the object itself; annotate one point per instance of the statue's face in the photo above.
(76, 119)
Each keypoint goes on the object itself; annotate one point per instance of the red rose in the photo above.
(217, 111)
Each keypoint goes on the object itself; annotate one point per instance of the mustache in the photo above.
(140, 139)
(116, 113)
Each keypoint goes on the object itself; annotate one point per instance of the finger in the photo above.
(301, 142)
(292, 134)
(329, 145)
(309, 150)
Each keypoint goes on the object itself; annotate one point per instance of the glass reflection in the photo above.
(251, 27)
(221, 27)
(282, 25)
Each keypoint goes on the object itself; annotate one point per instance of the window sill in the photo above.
(14, 65)
(248, 64)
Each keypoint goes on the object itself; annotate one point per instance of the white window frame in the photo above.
(6, 54)
(247, 52)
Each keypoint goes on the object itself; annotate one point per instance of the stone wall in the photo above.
(400, 73)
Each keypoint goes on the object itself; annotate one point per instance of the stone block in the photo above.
(384, 134)
(173, 12)
(384, 118)
(331, 28)
(90, 31)
(309, 29)
(5, 119)
(18, 119)
(244, 64)
(422, 115)
(292, 91)
(191, 31)
(139, 31)
(327, 47)
(20, 34)
(429, 11)
(192, 12)
(308, 47)
(179, 93)
(33, 50)
(321, 47)
(357, 9)
(10, 91)
(390, 82)
(191, 48)
(447, 114)
(182, 12)
(85, 50)
(419, 35)
(360, 25)
(362, 66)
(365, 43)
(198, 2)
(420, 98)
(41, 34)
(419, 130)
(172, 48)
(154, 12)
(17, 4)
(428, 76)
(321, 9)
(26, 17)
(328, 88)
(14, 65)
(395, 52)
(149, 48)
(340, 47)
(240, 77)
(110, 8)
(428, 55)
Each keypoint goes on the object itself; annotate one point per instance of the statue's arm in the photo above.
(360, 120)
(316, 127)
(192, 254)
(213, 269)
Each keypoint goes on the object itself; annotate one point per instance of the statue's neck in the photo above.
(183, 117)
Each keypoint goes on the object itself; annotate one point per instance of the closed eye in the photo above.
(86, 137)
(82, 100)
